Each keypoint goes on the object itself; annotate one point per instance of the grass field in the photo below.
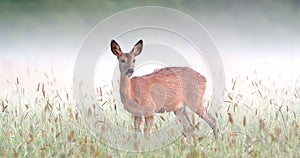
(258, 118)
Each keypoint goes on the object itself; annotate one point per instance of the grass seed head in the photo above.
(71, 135)
(278, 131)
(244, 121)
(230, 118)
(43, 90)
(296, 126)
(262, 125)
(18, 81)
(89, 112)
(38, 87)
(57, 135)
(162, 118)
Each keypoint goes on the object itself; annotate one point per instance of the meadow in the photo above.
(258, 118)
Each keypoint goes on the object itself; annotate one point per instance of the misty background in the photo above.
(42, 38)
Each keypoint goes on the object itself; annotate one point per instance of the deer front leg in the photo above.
(137, 123)
(149, 122)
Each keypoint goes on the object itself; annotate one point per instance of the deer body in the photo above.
(165, 90)
(170, 88)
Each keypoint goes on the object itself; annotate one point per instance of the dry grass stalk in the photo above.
(4, 107)
(234, 82)
(31, 138)
(235, 106)
(260, 94)
(229, 96)
(104, 103)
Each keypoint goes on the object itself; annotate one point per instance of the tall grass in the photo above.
(257, 119)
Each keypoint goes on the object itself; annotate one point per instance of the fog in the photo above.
(40, 39)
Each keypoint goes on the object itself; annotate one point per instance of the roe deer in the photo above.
(167, 89)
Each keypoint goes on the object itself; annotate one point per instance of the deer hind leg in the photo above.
(208, 118)
(184, 119)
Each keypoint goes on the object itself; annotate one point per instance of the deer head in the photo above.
(126, 60)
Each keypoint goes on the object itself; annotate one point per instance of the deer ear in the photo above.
(115, 48)
(137, 49)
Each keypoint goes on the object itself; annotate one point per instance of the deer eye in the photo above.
(133, 60)
(122, 61)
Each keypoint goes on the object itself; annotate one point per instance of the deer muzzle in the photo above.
(129, 72)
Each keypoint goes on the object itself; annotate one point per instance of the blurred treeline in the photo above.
(32, 12)
(23, 18)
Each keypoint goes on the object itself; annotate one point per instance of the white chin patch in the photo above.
(129, 75)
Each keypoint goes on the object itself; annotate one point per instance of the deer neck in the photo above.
(125, 89)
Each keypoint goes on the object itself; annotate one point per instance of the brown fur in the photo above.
(167, 89)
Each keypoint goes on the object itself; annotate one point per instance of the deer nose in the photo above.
(130, 70)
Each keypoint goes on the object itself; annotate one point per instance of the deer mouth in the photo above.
(128, 74)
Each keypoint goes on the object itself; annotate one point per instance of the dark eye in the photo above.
(133, 60)
(122, 61)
